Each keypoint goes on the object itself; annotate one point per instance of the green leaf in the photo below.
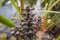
(53, 19)
(3, 36)
(6, 22)
(58, 38)
(0, 3)
(17, 8)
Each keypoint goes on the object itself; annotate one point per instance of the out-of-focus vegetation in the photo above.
(3, 37)
(17, 8)
(3, 20)
(51, 5)
(6, 22)
(48, 5)
(31, 3)
(58, 38)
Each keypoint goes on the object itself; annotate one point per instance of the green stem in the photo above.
(6, 22)
(17, 9)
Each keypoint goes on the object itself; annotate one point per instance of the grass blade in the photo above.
(6, 22)
(17, 8)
